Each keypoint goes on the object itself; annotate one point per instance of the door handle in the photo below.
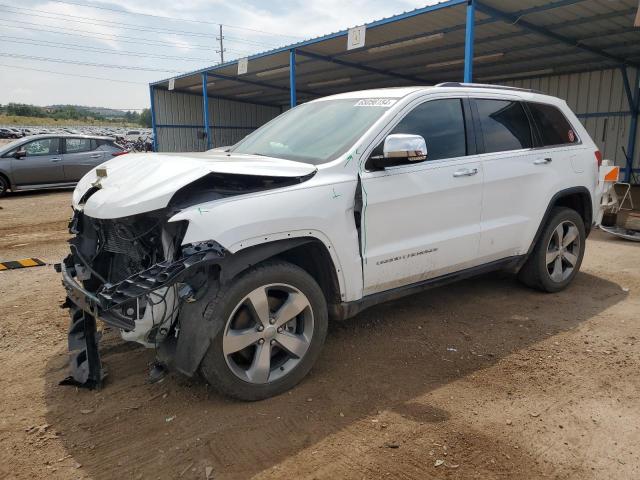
(96, 155)
(542, 161)
(55, 159)
(465, 172)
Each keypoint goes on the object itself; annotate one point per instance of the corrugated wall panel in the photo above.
(173, 109)
(231, 121)
(598, 92)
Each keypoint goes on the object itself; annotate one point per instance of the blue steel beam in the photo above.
(360, 66)
(205, 106)
(545, 32)
(493, 38)
(342, 33)
(627, 86)
(469, 38)
(153, 119)
(419, 11)
(634, 104)
(292, 78)
(225, 97)
(255, 82)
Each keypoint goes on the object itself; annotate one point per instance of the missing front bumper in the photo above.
(86, 307)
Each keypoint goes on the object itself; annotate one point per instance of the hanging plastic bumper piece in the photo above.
(85, 306)
(84, 359)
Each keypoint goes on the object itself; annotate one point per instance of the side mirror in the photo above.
(20, 154)
(400, 148)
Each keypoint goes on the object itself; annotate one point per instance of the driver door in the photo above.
(422, 220)
(41, 166)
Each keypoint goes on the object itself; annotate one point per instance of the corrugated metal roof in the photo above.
(426, 46)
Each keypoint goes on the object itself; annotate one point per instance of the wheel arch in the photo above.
(6, 177)
(576, 198)
(309, 253)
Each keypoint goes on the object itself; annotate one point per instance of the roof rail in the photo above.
(486, 85)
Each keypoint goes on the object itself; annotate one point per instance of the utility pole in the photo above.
(221, 51)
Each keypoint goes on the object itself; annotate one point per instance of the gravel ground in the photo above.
(482, 379)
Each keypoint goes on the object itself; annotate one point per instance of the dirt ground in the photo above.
(481, 379)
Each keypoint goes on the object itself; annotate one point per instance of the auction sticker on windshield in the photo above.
(375, 102)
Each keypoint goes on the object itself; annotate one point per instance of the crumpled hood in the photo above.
(141, 182)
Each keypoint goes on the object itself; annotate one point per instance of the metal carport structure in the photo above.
(585, 51)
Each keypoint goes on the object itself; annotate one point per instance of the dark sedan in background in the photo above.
(52, 161)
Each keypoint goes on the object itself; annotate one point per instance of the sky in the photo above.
(105, 52)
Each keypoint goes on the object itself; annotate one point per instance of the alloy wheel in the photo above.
(563, 251)
(268, 333)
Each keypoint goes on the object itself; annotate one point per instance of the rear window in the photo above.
(108, 146)
(553, 126)
(505, 125)
(78, 145)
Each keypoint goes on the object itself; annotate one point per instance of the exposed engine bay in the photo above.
(133, 273)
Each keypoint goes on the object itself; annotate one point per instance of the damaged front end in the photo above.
(133, 274)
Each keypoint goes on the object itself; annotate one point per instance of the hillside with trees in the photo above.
(65, 113)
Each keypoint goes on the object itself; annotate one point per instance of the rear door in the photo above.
(41, 166)
(518, 176)
(422, 220)
(80, 156)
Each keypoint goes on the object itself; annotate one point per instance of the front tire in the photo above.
(274, 323)
(557, 256)
(4, 186)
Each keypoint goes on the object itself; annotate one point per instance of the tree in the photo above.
(145, 118)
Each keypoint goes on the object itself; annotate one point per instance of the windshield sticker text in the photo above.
(375, 102)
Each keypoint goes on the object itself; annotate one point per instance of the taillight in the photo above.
(117, 154)
(598, 158)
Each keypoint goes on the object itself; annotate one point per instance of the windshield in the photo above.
(315, 132)
(9, 146)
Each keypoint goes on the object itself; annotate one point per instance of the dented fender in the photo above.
(237, 223)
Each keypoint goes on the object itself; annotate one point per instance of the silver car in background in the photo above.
(52, 161)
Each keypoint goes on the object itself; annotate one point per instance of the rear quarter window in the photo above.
(108, 146)
(552, 125)
(504, 125)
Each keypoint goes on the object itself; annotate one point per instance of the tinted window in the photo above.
(44, 146)
(441, 124)
(504, 125)
(107, 146)
(77, 145)
(552, 125)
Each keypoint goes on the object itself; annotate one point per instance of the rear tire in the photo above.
(274, 322)
(558, 253)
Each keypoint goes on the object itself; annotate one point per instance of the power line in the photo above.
(252, 42)
(86, 64)
(126, 26)
(72, 74)
(174, 19)
(119, 38)
(72, 46)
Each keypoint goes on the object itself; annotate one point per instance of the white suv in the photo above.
(232, 262)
